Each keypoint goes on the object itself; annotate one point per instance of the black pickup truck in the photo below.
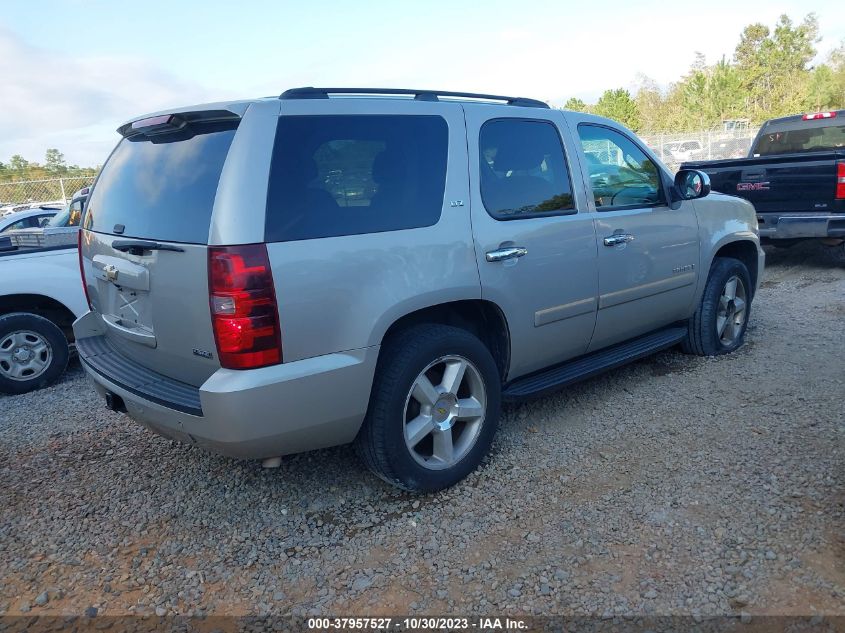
(795, 178)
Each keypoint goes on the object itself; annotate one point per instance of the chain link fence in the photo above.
(674, 149)
(41, 191)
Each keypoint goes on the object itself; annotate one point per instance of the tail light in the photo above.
(243, 307)
(82, 267)
(840, 180)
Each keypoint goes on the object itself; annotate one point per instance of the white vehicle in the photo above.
(683, 150)
(40, 296)
(57, 230)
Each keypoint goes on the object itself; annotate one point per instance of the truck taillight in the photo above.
(243, 306)
(840, 180)
(82, 267)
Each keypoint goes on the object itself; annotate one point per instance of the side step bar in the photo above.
(593, 364)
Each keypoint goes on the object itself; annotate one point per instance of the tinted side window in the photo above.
(523, 170)
(348, 175)
(621, 175)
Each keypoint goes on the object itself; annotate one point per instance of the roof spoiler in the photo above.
(169, 123)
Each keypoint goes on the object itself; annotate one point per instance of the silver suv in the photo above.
(384, 267)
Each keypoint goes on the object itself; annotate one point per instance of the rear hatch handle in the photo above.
(138, 246)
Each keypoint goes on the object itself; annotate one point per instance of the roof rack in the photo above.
(419, 95)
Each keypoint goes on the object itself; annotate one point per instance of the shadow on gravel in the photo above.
(810, 254)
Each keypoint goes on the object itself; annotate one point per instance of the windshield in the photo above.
(61, 218)
(815, 139)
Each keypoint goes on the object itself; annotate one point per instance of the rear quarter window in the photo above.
(161, 189)
(335, 175)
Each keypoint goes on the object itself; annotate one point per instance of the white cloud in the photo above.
(74, 102)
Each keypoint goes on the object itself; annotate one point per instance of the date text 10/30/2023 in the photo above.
(416, 623)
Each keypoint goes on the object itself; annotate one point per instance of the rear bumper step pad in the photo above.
(101, 357)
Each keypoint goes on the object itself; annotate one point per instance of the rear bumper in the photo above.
(797, 225)
(288, 408)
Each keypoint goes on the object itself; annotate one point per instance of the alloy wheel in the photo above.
(444, 412)
(730, 315)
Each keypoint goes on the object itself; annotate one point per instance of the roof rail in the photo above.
(419, 95)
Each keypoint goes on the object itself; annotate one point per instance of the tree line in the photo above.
(54, 166)
(769, 75)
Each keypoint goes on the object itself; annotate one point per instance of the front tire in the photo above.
(33, 352)
(718, 325)
(434, 408)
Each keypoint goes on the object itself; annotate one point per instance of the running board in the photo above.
(593, 364)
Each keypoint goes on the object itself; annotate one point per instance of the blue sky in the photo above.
(72, 70)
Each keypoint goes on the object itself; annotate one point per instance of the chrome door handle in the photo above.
(618, 238)
(511, 252)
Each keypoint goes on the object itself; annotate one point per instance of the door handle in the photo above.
(618, 238)
(511, 252)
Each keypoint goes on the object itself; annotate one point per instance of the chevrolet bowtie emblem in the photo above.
(111, 272)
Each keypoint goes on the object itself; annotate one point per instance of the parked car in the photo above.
(59, 230)
(678, 151)
(244, 303)
(40, 296)
(16, 220)
(795, 177)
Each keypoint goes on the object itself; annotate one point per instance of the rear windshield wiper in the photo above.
(137, 246)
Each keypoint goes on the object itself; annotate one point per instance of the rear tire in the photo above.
(718, 325)
(33, 352)
(434, 408)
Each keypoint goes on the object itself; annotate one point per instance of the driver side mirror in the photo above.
(691, 184)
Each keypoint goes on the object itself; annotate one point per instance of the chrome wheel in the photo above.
(730, 315)
(444, 412)
(24, 355)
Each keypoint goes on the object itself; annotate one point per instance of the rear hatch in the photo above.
(145, 243)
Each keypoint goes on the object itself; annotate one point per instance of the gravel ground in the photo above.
(678, 485)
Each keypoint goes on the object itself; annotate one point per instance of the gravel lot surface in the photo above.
(678, 485)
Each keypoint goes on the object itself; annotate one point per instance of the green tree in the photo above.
(772, 65)
(18, 163)
(619, 106)
(822, 89)
(653, 106)
(836, 62)
(575, 104)
(54, 161)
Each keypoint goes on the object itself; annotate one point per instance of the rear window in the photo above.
(164, 188)
(817, 138)
(348, 175)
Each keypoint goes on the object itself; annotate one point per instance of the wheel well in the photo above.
(42, 306)
(482, 318)
(744, 251)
